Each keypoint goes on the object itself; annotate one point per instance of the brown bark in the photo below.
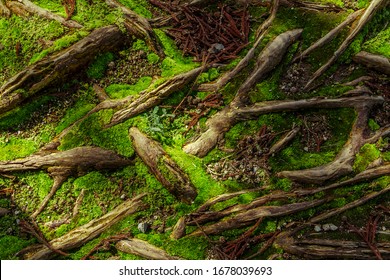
(23, 7)
(81, 235)
(374, 61)
(163, 167)
(4, 11)
(143, 249)
(283, 141)
(56, 68)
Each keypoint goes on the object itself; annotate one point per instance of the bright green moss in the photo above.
(15, 147)
(81, 108)
(122, 90)
(98, 67)
(10, 245)
(153, 58)
(41, 182)
(138, 6)
(379, 44)
(368, 153)
(373, 125)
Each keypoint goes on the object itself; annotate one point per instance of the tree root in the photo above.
(246, 218)
(163, 167)
(61, 165)
(343, 163)
(4, 11)
(149, 99)
(143, 249)
(366, 17)
(329, 36)
(260, 33)
(56, 68)
(377, 62)
(79, 236)
(222, 121)
(25, 6)
(139, 26)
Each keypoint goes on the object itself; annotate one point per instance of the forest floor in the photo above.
(153, 174)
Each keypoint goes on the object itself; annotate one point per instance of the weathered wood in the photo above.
(170, 175)
(248, 217)
(365, 18)
(268, 59)
(151, 98)
(138, 25)
(56, 68)
(143, 249)
(284, 141)
(179, 230)
(20, 7)
(374, 61)
(329, 36)
(222, 121)
(79, 236)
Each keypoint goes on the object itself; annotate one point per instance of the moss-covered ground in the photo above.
(27, 128)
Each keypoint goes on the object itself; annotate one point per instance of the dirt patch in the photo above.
(315, 131)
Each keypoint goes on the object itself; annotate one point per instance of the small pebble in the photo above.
(306, 149)
(143, 227)
(317, 228)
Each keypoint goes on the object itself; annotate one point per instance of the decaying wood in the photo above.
(79, 236)
(179, 230)
(198, 218)
(222, 121)
(4, 11)
(175, 180)
(260, 33)
(369, 174)
(365, 18)
(343, 162)
(56, 68)
(329, 36)
(61, 165)
(374, 61)
(268, 59)
(151, 98)
(143, 249)
(331, 249)
(248, 217)
(31, 8)
(283, 141)
(138, 25)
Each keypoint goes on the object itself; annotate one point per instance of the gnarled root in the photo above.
(163, 167)
(56, 68)
(79, 236)
(377, 62)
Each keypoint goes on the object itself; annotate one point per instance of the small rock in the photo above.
(306, 149)
(111, 65)
(123, 196)
(317, 228)
(333, 227)
(143, 227)
(326, 227)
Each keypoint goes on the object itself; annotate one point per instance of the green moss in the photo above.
(98, 67)
(10, 245)
(174, 62)
(153, 58)
(15, 147)
(140, 45)
(373, 125)
(73, 114)
(368, 153)
(138, 6)
(379, 44)
(41, 182)
(121, 90)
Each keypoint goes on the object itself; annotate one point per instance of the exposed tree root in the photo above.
(139, 26)
(260, 33)
(374, 61)
(143, 249)
(329, 36)
(149, 99)
(221, 122)
(163, 167)
(342, 164)
(283, 141)
(61, 165)
(366, 175)
(366, 17)
(56, 68)
(79, 236)
(247, 217)
(21, 7)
